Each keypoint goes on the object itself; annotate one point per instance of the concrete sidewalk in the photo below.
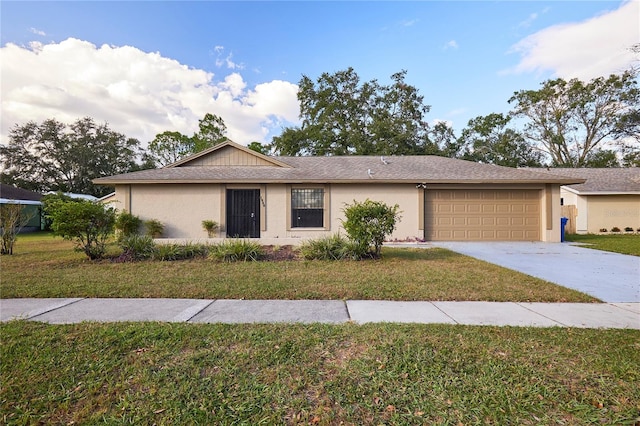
(74, 310)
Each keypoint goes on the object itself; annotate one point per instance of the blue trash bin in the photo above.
(563, 224)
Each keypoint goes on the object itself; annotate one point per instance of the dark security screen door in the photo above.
(243, 213)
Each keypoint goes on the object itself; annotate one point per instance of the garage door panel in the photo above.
(528, 208)
(492, 215)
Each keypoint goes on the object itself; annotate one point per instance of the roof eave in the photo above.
(111, 182)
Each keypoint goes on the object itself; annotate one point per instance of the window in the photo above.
(307, 208)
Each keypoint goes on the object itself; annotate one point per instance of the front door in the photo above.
(243, 213)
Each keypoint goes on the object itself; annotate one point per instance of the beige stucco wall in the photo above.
(551, 202)
(572, 199)
(608, 211)
(183, 207)
(117, 200)
(595, 212)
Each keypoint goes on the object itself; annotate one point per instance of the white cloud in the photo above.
(527, 22)
(139, 94)
(592, 48)
(451, 44)
(37, 31)
(227, 61)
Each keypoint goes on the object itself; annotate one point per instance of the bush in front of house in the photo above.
(127, 224)
(168, 252)
(86, 223)
(368, 223)
(332, 247)
(237, 251)
(137, 247)
(154, 228)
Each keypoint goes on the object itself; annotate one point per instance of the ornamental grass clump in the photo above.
(237, 251)
(137, 247)
(169, 252)
(332, 247)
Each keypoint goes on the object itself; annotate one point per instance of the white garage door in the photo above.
(482, 215)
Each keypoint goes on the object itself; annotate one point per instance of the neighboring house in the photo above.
(608, 198)
(32, 207)
(256, 196)
(76, 196)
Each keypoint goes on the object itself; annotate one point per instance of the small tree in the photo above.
(368, 223)
(211, 226)
(87, 224)
(12, 219)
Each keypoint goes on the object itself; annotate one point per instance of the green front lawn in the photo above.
(44, 266)
(166, 374)
(618, 243)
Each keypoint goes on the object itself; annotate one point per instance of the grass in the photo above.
(618, 243)
(44, 266)
(150, 373)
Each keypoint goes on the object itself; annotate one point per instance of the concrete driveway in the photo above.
(611, 277)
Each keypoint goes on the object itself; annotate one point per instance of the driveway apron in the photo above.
(611, 277)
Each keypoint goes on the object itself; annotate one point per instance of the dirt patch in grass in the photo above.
(280, 253)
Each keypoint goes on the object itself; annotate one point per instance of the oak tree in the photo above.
(571, 120)
(342, 116)
(52, 156)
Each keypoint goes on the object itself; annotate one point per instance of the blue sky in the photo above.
(150, 66)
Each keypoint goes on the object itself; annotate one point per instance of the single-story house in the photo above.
(32, 206)
(609, 198)
(257, 196)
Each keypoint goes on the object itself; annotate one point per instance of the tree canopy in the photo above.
(342, 115)
(170, 146)
(572, 120)
(488, 140)
(52, 156)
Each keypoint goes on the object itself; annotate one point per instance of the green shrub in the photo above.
(368, 223)
(137, 247)
(154, 228)
(87, 224)
(48, 203)
(166, 252)
(332, 247)
(127, 224)
(237, 251)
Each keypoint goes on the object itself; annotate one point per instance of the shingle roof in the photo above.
(13, 193)
(344, 169)
(610, 181)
